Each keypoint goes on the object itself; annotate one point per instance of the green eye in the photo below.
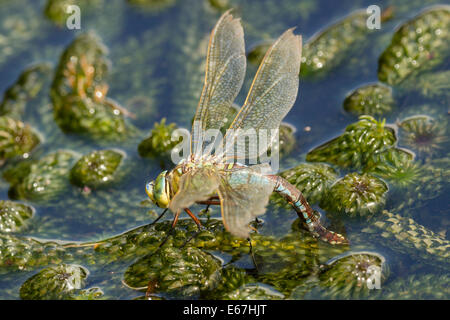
(160, 194)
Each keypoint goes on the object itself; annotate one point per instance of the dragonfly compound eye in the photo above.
(160, 194)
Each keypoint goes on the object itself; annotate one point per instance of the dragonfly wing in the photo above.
(243, 195)
(195, 185)
(273, 91)
(225, 71)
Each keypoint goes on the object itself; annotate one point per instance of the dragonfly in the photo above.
(242, 191)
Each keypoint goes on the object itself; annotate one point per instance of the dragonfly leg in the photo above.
(159, 217)
(197, 222)
(252, 254)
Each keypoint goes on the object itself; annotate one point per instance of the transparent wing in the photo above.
(225, 70)
(243, 195)
(272, 94)
(195, 185)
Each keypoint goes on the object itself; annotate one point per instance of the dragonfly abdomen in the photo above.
(292, 195)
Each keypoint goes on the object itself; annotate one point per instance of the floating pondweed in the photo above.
(253, 291)
(79, 92)
(373, 99)
(312, 179)
(96, 169)
(180, 272)
(16, 139)
(27, 86)
(328, 48)
(159, 143)
(45, 179)
(14, 216)
(54, 283)
(356, 195)
(353, 276)
(355, 146)
(418, 45)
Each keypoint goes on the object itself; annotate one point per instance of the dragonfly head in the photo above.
(158, 190)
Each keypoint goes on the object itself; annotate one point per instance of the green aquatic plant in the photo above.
(329, 48)
(184, 272)
(396, 166)
(418, 45)
(373, 99)
(423, 134)
(25, 254)
(406, 236)
(97, 168)
(253, 291)
(159, 143)
(44, 180)
(356, 195)
(312, 179)
(54, 283)
(20, 28)
(17, 139)
(14, 216)
(356, 145)
(353, 276)
(418, 287)
(432, 85)
(79, 92)
(231, 279)
(93, 293)
(26, 87)
(56, 10)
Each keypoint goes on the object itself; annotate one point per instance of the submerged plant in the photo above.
(423, 134)
(97, 168)
(44, 180)
(79, 92)
(419, 44)
(54, 283)
(397, 166)
(14, 216)
(180, 272)
(27, 86)
(355, 195)
(16, 139)
(328, 48)
(312, 179)
(430, 85)
(159, 143)
(373, 99)
(355, 146)
(418, 287)
(406, 236)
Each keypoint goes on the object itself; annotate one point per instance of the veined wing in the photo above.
(243, 195)
(225, 70)
(272, 94)
(196, 185)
